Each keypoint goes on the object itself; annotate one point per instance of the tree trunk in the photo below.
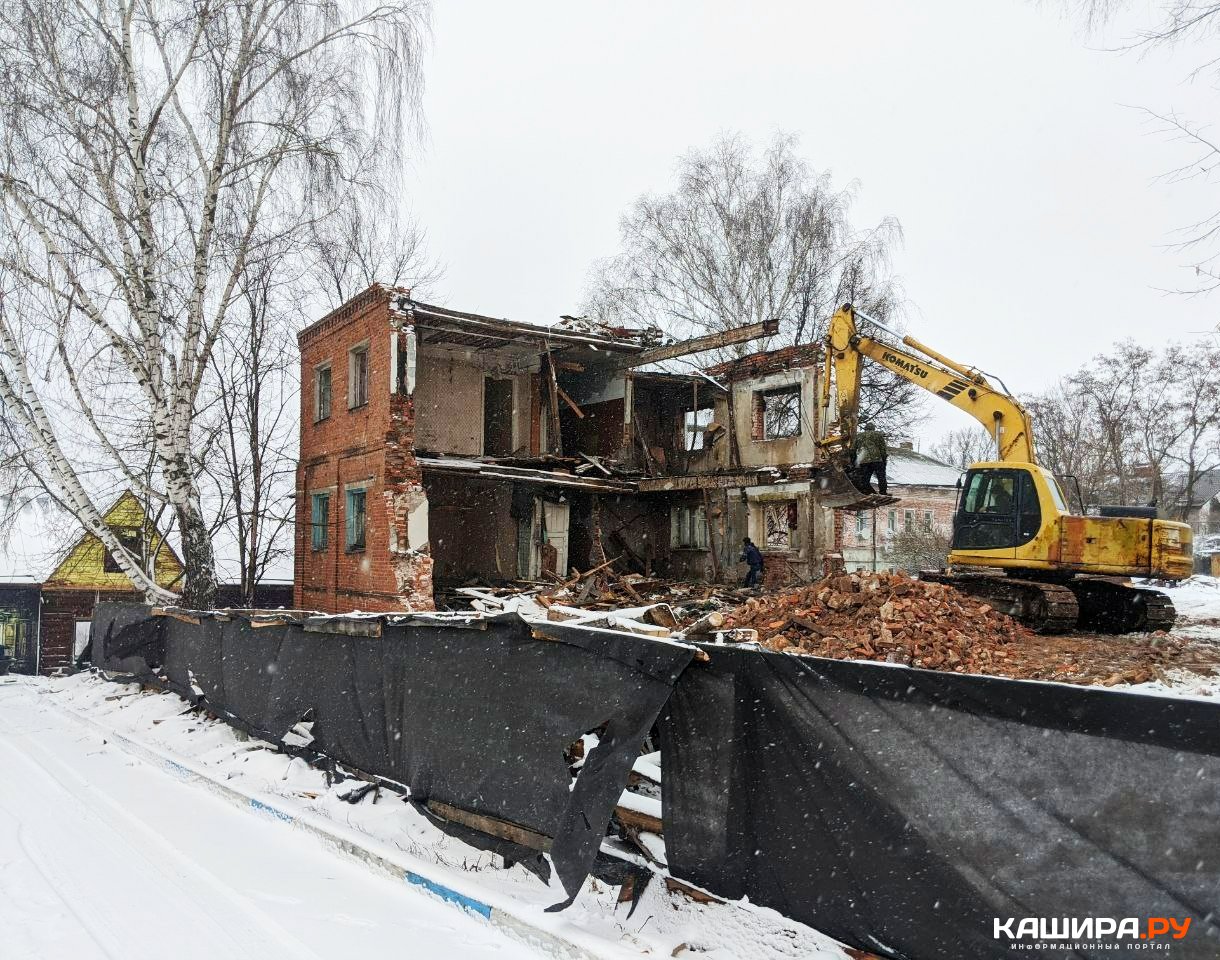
(199, 590)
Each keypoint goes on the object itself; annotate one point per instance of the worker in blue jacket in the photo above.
(754, 558)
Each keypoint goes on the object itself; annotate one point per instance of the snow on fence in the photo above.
(903, 811)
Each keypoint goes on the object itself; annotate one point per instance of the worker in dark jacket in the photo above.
(871, 456)
(754, 558)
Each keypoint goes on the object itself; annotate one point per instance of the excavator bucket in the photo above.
(836, 489)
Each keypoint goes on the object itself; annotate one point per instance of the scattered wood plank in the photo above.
(699, 896)
(504, 829)
(637, 820)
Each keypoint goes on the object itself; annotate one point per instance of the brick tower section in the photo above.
(359, 449)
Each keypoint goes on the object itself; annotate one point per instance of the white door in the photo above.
(82, 638)
(555, 530)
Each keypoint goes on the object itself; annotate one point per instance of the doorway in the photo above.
(497, 417)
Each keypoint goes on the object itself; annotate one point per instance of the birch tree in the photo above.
(745, 237)
(148, 151)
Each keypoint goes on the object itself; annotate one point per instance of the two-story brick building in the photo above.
(919, 524)
(440, 448)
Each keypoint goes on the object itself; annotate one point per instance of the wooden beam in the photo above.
(641, 821)
(554, 442)
(710, 342)
(563, 395)
(514, 833)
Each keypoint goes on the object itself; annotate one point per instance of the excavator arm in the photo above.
(967, 389)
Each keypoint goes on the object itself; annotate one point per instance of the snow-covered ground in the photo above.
(102, 856)
(1197, 601)
(136, 851)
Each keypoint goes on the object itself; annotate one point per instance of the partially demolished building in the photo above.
(441, 448)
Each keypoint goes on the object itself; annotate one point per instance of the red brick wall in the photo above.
(372, 444)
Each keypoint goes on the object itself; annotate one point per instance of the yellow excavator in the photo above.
(1015, 542)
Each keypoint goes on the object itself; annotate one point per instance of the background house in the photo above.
(912, 534)
(52, 576)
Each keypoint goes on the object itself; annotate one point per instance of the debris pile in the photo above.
(604, 588)
(896, 619)
(883, 616)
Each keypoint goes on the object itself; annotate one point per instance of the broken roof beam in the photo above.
(710, 342)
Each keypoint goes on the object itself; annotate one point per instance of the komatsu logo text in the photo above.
(906, 365)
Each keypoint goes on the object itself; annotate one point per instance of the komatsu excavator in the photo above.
(1015, 542)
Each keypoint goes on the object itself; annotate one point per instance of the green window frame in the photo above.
(354, 518)
(319, 509)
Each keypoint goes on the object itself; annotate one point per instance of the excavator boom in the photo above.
(967, 389)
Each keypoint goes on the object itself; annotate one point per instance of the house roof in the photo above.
(1207, 485)
(911, 468)
(457, 326)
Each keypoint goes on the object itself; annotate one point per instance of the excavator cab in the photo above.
(999, 509)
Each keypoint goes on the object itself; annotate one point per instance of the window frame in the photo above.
(694, 432)
(790, 510)
(350, 490)
(318, 371)
(324, 527)
(688, 527)
(354, 384)
(791, 389)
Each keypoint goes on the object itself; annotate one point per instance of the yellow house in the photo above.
(89, 565)
(88, 574)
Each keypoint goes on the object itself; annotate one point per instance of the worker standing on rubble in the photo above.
(871, 456)
(754, 558)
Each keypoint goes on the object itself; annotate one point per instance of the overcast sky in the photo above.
(1004, 142)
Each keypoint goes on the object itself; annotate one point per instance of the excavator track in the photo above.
(1109, 606)
(1043, 607)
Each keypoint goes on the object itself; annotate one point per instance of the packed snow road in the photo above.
(103, 856)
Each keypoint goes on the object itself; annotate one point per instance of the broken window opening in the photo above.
(695, 424)
(688, 528)
(497, 417)
(781, 412)
(927, 520)
(861, 525)
(779, 525)
(320, 521)
(131, 541)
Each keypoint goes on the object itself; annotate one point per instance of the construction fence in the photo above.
(906, 812)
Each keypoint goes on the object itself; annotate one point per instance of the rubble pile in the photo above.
(882, 616)
(896, 619)
(605, 588)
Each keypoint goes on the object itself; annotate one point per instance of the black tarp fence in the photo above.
(476, 713)
(903, 810)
